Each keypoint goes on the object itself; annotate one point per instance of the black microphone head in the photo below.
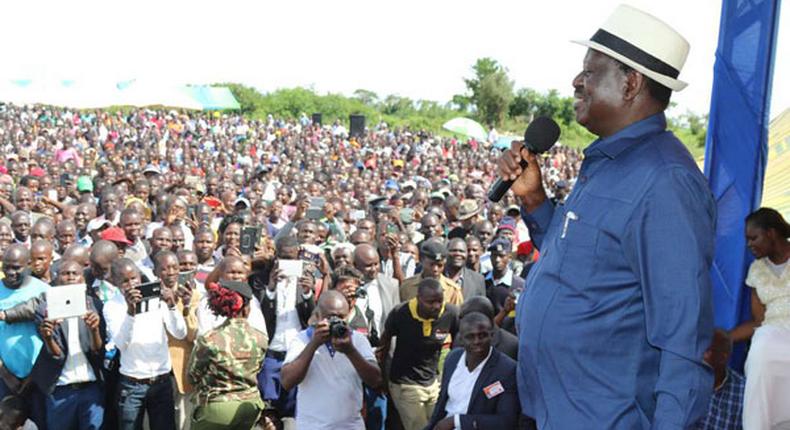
(542, 133)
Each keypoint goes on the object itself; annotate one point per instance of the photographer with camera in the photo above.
(348, 281)
(313, 363)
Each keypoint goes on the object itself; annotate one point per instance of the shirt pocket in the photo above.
(579, 258)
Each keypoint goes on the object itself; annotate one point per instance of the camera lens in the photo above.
(337, 327)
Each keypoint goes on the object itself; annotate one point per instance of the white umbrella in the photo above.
(466, 127)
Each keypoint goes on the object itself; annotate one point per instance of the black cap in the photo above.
(500, 245)
(240, 287)
(434, 250)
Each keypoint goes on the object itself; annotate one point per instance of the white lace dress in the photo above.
(767, 396)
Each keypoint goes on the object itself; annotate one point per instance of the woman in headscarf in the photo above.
(226, 361)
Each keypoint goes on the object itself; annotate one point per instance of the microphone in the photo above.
(540, 136)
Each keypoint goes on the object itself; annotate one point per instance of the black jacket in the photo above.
(47, 368)
(500, 411)
(474, 284)
(499, 293)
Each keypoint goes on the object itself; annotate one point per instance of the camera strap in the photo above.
(310, 330)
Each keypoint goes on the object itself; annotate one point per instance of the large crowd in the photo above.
(251, 222)
(274, 274)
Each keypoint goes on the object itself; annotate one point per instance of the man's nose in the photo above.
(576, 83)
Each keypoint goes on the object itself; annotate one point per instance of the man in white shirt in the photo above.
(146, 381)
(287, 304)
(68, 369)
(478, 383)
(330, 354)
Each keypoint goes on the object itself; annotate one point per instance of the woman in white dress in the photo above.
(767, 395)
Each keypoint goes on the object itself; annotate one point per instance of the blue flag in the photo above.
(736, 147)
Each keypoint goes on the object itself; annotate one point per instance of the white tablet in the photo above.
(291, 268)
(66, 301)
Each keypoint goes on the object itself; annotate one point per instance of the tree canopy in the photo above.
(490, 99)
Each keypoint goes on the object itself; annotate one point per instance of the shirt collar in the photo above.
(462, 361)
(507, 279)
(613, 145)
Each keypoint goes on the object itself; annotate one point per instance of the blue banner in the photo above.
(736, 148)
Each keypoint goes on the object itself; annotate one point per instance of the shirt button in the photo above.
(583, 178)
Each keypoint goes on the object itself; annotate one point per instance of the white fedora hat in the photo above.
(643, 42)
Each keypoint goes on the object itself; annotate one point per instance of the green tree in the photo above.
(491, 90)
(482, 68)
(461, 103)
(494, 97)
(554, 106)
(367, 97)
(397, 105)
(248, 97)
(525, 103)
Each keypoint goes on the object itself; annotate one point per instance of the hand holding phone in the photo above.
(250, 236)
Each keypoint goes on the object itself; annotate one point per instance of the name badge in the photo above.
(493, 390)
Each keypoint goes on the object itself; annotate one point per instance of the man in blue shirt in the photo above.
(616, 315)
(20, 343)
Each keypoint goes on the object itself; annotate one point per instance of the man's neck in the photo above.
(499, 275)
(453, 272)
(474, 266)
(472, 360)
(426, 276)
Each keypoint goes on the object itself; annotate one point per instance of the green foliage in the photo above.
(529, 104)
(491, 100)
(366, 97)
(491, 91)
(248, 97)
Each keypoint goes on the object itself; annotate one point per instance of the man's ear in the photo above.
(635, 84)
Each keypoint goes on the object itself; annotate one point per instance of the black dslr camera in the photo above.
(338, 328)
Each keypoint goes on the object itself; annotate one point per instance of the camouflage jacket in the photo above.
(225, 362)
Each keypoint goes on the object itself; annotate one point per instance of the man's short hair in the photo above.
(120, 265)
(161, 256)
(285, 242)
(474, 318)
(478, 304)
(659, 92)
(344, 273)
(429, 285)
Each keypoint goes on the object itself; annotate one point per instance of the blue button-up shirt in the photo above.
(20, 342)
(617, 313)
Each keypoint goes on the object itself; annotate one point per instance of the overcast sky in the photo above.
(416, 48)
